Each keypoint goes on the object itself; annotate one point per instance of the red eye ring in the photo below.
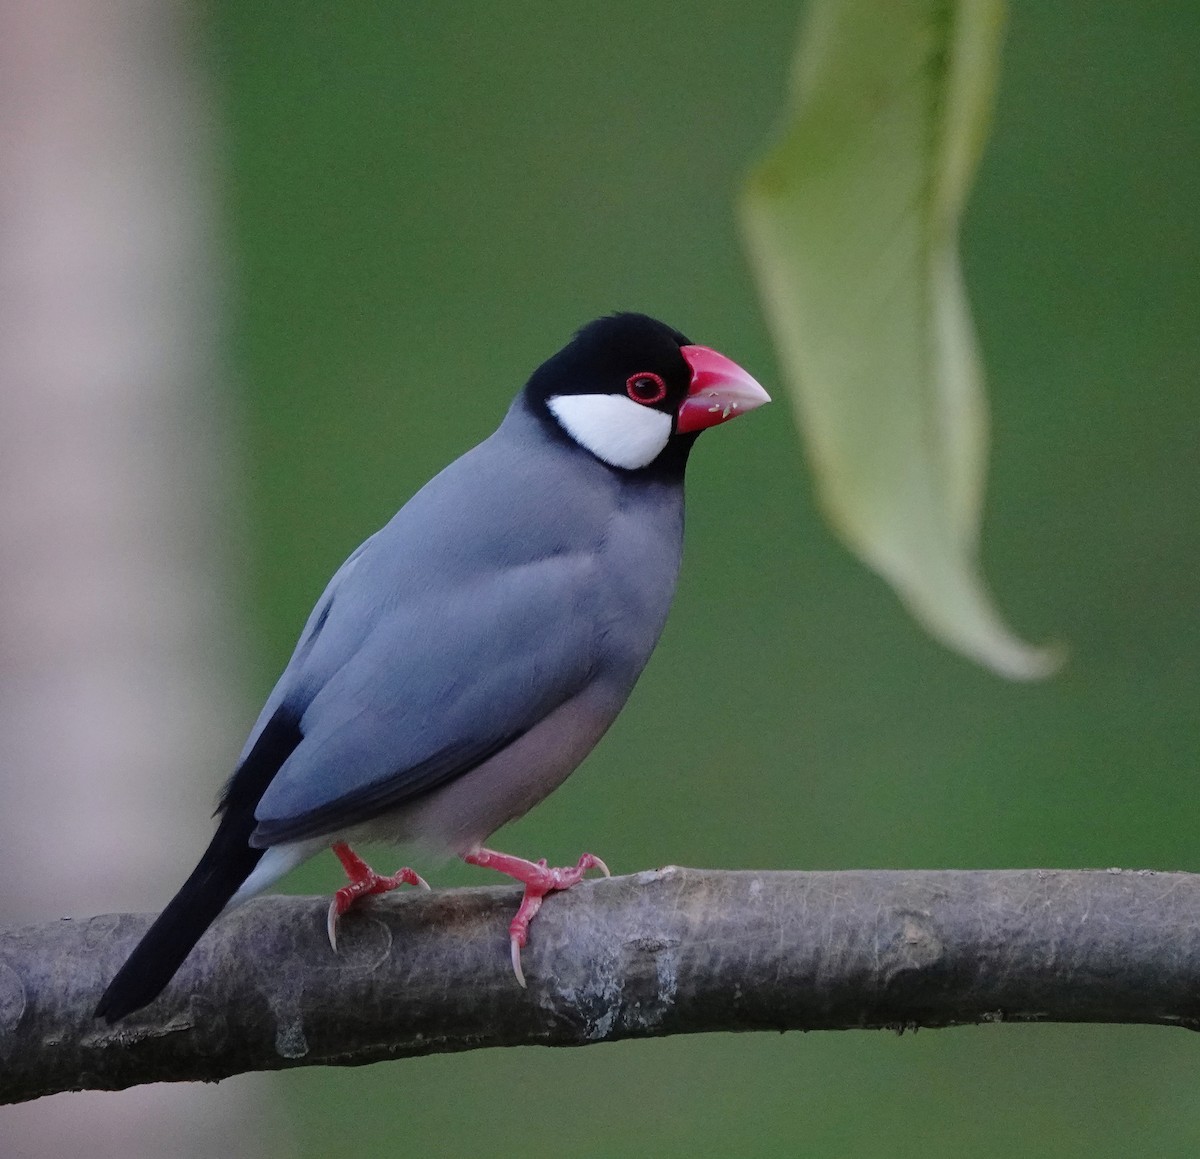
(646, 388)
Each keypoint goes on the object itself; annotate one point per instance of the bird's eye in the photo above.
(646, 388)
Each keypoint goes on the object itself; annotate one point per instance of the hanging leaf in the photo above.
(852, 224)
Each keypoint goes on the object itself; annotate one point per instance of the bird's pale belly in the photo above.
(460, 815)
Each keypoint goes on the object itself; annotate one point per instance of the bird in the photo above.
(468, 656)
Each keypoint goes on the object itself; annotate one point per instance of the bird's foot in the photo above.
(539, 879)
(363, 881)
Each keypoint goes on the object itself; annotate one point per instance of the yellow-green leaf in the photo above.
(852, 222)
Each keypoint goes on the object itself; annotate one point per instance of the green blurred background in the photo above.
(424, 201)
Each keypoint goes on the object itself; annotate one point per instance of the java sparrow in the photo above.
(468, 656)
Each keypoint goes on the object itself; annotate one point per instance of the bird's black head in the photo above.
(635, 392)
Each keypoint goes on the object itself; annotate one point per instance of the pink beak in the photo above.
(720, 390)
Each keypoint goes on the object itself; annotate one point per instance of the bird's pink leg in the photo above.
(363, 881)
(539, 879)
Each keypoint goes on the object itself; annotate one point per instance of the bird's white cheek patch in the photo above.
(614, 428)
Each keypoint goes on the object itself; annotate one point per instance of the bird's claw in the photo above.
(363, 882)
(331, 923)
(515, 945)
(539, 879)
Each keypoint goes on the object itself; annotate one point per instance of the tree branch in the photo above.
(669, 951)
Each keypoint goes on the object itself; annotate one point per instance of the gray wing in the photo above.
(301, 670)
(410, 695)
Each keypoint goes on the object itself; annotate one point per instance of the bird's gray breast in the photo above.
(639, 555)
(521, 498)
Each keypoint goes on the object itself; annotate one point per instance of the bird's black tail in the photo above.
(226, 863)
